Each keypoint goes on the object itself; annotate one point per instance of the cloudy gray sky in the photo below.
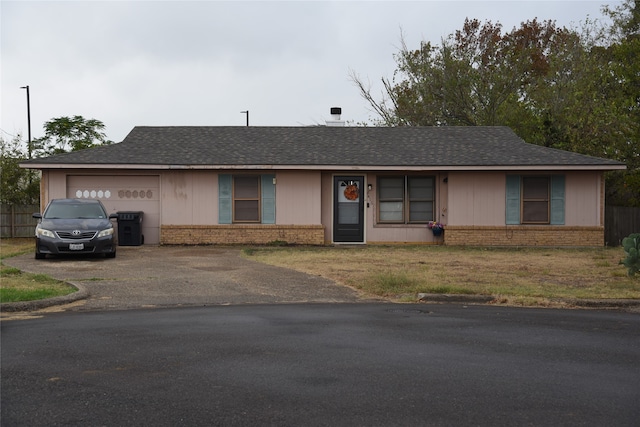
(130, 63)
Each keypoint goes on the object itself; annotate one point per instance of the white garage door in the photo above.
(123, 193)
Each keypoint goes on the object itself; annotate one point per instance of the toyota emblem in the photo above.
(76, 232)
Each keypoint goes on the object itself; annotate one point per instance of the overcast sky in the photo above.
(175, 63)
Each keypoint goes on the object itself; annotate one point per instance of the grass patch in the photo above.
(389, 283)
(18, 286)
(448, 290)
(9, 271)
(15, 295)
(15, 247)
(519, 275)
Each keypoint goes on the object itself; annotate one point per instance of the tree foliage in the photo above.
(65, 134)
(572, 89)
(19, 186)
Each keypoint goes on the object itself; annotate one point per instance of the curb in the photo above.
(482, 299)
(455, 298)
(604, 303)
(81, 293)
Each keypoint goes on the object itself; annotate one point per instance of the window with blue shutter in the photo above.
(535, 199)
(246, 199)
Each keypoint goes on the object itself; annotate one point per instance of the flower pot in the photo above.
(437, 231)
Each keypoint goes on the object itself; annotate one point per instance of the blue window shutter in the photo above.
(513, 200)
(268, 199)
(225, 186)
(557, 199)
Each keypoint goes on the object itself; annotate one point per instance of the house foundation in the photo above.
(241, 234)
(556, 236)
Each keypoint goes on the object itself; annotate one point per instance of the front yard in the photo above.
(531, 277)
(513, 276)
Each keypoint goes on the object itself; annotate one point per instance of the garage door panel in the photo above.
(123, 193)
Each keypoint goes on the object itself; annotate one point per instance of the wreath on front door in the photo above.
(351, 192)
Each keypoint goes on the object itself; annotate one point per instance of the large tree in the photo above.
(470, 79)
(622, 55)
(571, 89)
(63, 134)
(18, 186)
(75, 133)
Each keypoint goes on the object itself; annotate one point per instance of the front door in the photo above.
(348, 209)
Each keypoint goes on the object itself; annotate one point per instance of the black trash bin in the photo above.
(130, 229)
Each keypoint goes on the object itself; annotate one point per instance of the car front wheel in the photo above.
(40, 256)
(110, 255)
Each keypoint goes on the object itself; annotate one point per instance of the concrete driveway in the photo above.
(155, 276)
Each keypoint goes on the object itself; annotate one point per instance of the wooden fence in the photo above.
(619, 222)
(16, 220)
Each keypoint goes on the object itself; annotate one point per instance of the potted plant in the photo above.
(436, 227)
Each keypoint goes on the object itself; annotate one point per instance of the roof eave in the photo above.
(597, 167)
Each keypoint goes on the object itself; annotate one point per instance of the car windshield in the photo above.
(69, 211)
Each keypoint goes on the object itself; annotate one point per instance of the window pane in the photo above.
(420, 188)
(391, 188)
(535, 188)
(535, 212)
(535, 199)
(391, 211)
(246, 210)
(246, 187)
(420, 211)
(348, 213)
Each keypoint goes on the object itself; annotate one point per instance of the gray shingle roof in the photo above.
(319, 146)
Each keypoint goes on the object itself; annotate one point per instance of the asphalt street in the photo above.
(322, 365)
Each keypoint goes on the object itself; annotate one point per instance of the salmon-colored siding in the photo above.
(53, 185)
(476, 198)
(189, 197)
(583, 200)
(477, 213)
(183, 207)
(298, 197)
(327, 206)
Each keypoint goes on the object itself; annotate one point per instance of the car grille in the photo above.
(70, 235)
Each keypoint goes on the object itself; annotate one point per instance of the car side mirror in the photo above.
(37, 215)
(113, 216)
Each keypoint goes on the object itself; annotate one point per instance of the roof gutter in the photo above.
(602, 167)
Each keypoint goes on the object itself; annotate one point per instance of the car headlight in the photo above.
(41, 232)
(107, 232)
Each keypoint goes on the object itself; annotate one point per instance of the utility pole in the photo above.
(247, 113)
(28, 118)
